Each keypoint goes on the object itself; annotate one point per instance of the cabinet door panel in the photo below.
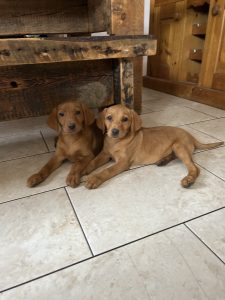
(168, 26)
(213, 64)
(219, 75)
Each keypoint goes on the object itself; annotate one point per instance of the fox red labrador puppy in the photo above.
(79, 141)
(128, 143)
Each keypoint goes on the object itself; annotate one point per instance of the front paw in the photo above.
(34, 180)
(87, 170)
(93, 182)
(73, 180)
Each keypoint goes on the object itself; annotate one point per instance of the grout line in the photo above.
(22, 157)
(202, 112)
(203, 242)
(215, 118)
(73, 208)
(209, 171)
(23, 197)
(204, 133)
(129, 170)
(44, 141)
(110, 250)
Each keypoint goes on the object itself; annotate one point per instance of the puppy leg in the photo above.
(97, 179)
(101, 159)
(164, 161)
(73, 178)
(53, 164)
(193, 171)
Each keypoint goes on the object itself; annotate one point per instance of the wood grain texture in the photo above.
(212, 48)
(99, 15)
(39, 50)
(33, 91)
(36, 17)
(127, 82)
(127, 17)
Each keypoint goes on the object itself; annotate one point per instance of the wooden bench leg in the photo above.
(124, 82)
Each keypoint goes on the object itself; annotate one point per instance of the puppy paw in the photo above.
(34, 180)
(93, 182)
(87, 171)
(187, 181)
(73, 180)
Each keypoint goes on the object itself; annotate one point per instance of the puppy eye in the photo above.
(124, 119)
(61, 114)
(77, 112)
(109, 118)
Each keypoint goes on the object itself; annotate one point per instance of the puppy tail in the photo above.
(201, 146)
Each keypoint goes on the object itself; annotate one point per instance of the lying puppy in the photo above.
(79, 141)
(129, 144)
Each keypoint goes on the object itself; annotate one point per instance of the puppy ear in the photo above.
(101, 120)
(89, 116)
(52, 120)
(136, 121)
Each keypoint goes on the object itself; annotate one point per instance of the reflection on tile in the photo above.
(172, 265)
(211, 230)
(176, 115)
(214, 128)
(143, 201)
(14, 174)
(213, 160)
(39, 234)
(22, 126)
(21, 145)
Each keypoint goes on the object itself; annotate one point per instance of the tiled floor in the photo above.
(139, 236)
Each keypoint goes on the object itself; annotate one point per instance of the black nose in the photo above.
(115, 132)
(71, 126)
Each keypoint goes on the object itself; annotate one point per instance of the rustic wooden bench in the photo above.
(56, 63)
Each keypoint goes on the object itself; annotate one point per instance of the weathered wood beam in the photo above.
(124, 82)
(47, 50)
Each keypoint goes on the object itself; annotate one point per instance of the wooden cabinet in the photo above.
(190, 59)
(47, 54)
(168, 26)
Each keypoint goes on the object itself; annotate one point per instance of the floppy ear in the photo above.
(52, 120)
(136, 121)
(101, 120)
(89, 116)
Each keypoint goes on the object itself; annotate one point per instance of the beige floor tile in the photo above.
(143, 201)
(21, 126)
(175, 265)
(21, 145)
(211, 230)
(39, 234)
(172, 265)
(213, 161)
(200, 136)
(214, 128)
(111, 276)
(175, 116)
(13, 176)
(49, 136)
(215, 112)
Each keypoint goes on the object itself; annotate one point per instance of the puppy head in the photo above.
(70, 117)
(118, 121)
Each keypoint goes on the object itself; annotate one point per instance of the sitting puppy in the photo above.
(129, 144)
(79, 141)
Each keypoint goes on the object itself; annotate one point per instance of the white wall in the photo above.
(146, 31)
